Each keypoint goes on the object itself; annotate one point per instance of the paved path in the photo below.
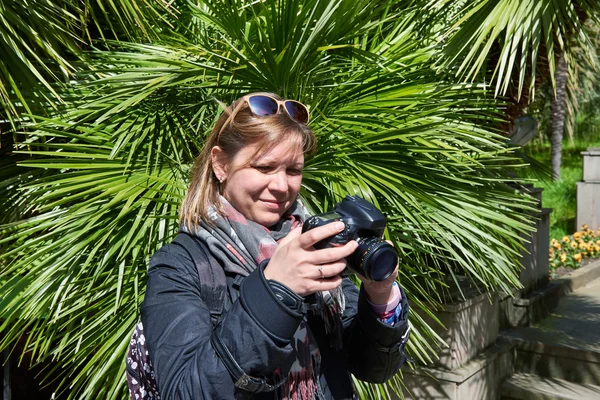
(575, 322)
(559, 358)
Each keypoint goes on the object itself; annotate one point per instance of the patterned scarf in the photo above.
(240, 246)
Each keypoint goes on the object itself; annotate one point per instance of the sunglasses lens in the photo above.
(297, 111)
(262, 106)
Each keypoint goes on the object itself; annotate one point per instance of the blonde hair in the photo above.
(236, 129)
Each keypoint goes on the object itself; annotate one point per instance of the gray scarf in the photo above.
(240, 246)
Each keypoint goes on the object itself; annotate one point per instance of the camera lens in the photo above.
(376, 258)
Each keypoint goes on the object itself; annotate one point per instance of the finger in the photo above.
(329, 270)
(311, 237)
(332, 254)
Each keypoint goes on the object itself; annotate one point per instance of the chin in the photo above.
(268, 220)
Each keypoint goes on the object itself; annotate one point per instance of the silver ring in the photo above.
(320, 267)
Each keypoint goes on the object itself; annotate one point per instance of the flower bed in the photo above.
(571, 251)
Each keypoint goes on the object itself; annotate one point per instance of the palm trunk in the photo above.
(557, 115)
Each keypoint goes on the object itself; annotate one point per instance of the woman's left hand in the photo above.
(379, 292)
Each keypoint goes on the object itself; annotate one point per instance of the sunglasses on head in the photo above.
(262, 105)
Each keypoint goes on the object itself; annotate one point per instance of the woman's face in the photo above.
(262, 187)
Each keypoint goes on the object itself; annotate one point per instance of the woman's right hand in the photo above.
(304, 269)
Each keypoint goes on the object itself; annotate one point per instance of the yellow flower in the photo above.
(573, 245)
(584, 227)
(556, 246)
(563, 257)
(583, 245)
(577, 235)
(596, 248)
(566, 239)
(577, 257)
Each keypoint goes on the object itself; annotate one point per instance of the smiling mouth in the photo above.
(273, 203)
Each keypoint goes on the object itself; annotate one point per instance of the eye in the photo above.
(294, 171)
(263, 168)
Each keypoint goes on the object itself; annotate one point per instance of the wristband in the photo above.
(392, 317)
(391, 305)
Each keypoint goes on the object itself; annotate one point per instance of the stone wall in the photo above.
(588, 191)
(472, 360)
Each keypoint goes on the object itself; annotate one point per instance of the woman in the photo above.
(269, 342)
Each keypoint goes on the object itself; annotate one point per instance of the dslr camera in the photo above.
(374, 258)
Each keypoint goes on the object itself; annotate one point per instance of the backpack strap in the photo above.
(213, 283)
(141, 379)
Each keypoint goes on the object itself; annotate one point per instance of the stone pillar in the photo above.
(534, 258)
(588, 191)
(526, 306)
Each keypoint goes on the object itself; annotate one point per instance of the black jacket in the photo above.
(256, 328)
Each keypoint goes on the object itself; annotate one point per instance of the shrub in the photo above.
(571, 250)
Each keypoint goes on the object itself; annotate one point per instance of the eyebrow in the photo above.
(273, 160)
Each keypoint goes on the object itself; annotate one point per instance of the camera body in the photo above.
(374, 258)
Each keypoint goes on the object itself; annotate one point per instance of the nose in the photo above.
(279, 181)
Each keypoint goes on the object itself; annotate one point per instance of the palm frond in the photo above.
(524, 32)
(41, 41)
(105, 173)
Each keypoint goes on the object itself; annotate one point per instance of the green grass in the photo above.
(561, 195)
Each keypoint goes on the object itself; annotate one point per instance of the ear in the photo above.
(219, 164)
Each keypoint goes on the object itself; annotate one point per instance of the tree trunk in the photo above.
(557, 114)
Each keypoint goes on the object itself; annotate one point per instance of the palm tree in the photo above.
(519, 45)
(41, 40)
(102, 177)
(557, 114)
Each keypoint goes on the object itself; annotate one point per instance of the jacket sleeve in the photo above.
(255, 331)
(375, 349)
